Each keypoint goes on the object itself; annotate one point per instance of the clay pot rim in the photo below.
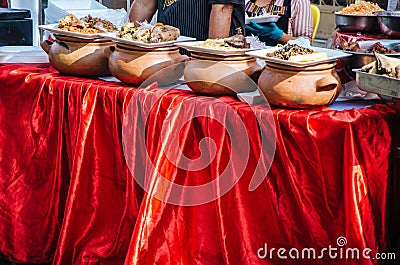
(127, 47)
(80, 40)
(212, 57)
(313, 68)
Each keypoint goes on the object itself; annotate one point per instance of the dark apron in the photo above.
(282, 23)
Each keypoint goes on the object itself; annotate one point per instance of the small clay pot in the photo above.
(218, 75)
(78, 57)
(134, 65)
(294, 87)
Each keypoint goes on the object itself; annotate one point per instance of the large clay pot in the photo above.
(134, 65)
(79, 57)
(299, 87)
(218, 75)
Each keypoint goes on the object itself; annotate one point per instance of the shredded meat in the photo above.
(86, 25)
(156, 34)
(290, 50)
(377, 47)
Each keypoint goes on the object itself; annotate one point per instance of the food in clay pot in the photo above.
(216, 75)
(85, 25)
(295, 87)
(134, 65)
(78, 57)
(307, 86)
(154, 34)
(296, 53)
(236, 42)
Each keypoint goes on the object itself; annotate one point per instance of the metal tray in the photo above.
(332, 55)
(146, 45)
(192, 46)
(379, 84)
(53, 28)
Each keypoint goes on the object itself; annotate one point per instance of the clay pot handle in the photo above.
(326, 83)
(182, 58)
(63, 44)
(46, 45)
(108, 51)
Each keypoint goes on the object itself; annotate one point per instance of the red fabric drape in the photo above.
(67, 194)
(31, 174)
(328, 179)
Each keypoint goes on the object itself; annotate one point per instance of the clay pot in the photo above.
(79, 57)
(134, 65)
(299, 87)
(218, 75)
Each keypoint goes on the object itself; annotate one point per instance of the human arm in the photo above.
(142, 10)
(220, 20)
(301, 22)
(285, 38)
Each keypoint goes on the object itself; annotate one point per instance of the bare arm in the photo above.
(142, 10)
(220, 20)
(285, 38)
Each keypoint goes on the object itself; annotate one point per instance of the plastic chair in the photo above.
(316, 14)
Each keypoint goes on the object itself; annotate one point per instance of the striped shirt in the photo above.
(300, 23)
(192, 16)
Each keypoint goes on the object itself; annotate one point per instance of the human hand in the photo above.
(269, 29)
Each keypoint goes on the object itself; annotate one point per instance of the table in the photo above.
(67, 194)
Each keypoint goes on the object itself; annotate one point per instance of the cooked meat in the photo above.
(87, 25)
(68, 20)
(162, 33)
(158, 33)
(237, 41)
(290, 50)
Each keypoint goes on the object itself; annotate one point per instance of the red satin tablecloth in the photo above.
(67, 195)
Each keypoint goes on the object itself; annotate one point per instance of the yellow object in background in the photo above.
(316, 14)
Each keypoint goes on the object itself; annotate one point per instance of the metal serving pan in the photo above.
(389, 22)
(356, 23)
(379, 84)
(359, 59)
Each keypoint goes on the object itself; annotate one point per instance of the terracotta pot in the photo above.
(134, 65)
(218, 75)
(77, 56)
(299, 87)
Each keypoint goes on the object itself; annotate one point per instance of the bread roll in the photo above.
(305, 58)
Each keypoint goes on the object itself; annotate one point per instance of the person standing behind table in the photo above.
(295, 21)
(200, 19)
